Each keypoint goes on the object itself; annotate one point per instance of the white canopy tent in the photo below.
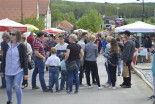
(76, 31)
(139, 27)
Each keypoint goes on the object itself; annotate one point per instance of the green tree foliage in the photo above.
(57, 15)
(91, 20)
(39, 23)
(70, 18)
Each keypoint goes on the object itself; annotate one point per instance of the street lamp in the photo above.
(118, 11)
(143, 11)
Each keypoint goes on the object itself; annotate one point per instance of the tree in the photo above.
(39, 23)
(91, 20)
(57, 15)
(70, 18)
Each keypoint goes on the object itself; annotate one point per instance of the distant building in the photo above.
(108, 21)
(12, 9)
(65, 25)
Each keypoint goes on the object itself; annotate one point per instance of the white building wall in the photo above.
(48, 18)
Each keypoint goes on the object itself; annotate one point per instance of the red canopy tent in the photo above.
(51, 31)
(7, 25)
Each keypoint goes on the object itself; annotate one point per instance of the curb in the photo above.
(143, 78)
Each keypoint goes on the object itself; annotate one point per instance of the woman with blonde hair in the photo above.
(107, 51)
(113, 61)
(91, 54)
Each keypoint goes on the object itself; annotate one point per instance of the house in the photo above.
(108, 21)
(65, 25)
(13, 9)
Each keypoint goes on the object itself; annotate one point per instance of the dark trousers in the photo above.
(92, 66)
(112, 72)
(127, 81)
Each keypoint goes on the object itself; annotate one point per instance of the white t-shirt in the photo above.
(53, 60)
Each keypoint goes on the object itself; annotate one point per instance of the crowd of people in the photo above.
(71, 57)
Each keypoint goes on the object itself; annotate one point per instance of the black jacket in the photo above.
(22, 57)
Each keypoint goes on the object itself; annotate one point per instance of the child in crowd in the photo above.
(53, 62)
(64, 73)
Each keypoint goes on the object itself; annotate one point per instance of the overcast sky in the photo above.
(113, 1)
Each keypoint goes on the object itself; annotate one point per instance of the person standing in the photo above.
(91, 54)
(14, 65)
(73, 54)
(39, 61)
(127, 57)
(104, 43)
(148, 43)
(82, 44)
(6, 39)
(113, 62)
(30, 39)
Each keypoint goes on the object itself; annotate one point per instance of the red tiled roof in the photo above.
(64, 24)
(12, 8)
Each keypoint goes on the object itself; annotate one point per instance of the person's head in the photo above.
(61, 39)
(127, 34)
(147, 38)
(50, 36)
(40, 35)
(31, 34)
(6, 37)
(57, 40)
(118, 39)
(62, 55)
(108, 39)
(131, 36)
(83, 36)
(23, 38)
(15, 35)
(72, 38)
(92, 38)
(114, 46)
(53, 50)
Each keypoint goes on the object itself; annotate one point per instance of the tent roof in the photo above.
(136, 27)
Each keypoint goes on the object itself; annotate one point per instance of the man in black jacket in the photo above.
(127, 56)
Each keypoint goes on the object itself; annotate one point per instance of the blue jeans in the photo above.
(71, 75)
(119, 65)
(64, 78)
(54, 74)
(106, 66)
(14, 81)
(39, 68)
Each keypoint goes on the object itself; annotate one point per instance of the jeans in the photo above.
(54, 75)
(39, 68)
(73, 74)
(119, 65)
(14, 81)
(64, 78)
(106, 66)
(127, 81)
(92, 66)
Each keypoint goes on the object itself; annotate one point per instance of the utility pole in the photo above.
(22, 11)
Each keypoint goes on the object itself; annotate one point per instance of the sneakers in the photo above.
(9, 102)
(100, 88)
(2, 87)
(90, 86)
(34, 88)
(152, 97)
(46, 90)
(114, 88)
(125, 86)
(119, 74)
(76, 92)
(106, 85)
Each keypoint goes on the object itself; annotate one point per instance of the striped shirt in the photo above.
(37, 46)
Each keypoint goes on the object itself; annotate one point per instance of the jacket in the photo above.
(128, 51)
(22, 57)
(113, 59)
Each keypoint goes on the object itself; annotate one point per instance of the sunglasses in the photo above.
(12, 34)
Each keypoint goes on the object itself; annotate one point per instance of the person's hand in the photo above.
(44, 59)
(25, 77)
(2, 74)
(29, 60)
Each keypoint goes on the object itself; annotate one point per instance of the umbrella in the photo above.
(76, 31)
(50, 31)
(57, 30)
(28, 33)
(32, 27)
(7, 25)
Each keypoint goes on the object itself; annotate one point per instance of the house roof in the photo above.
(64, 24)
(12, 8)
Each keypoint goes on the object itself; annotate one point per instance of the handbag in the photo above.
(125, 72)
(72, 66)
(31, 65)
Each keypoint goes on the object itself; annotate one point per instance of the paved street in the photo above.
(138, 94)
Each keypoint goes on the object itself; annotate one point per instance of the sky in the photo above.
(113, 1)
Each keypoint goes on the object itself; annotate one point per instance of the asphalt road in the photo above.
(138, 94)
